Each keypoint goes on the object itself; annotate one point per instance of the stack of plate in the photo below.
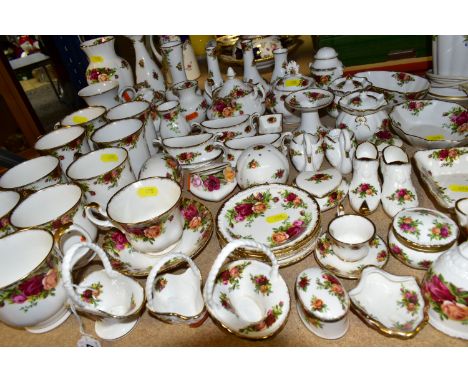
(448, 88)
(284, 218)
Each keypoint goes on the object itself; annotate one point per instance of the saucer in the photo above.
(198, 228)
(54, 322)
(377, 256)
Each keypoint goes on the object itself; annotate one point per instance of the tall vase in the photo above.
(147, 72)
(192, 71)
(104, 64)
(251, 73)
(214, 74)
(173, 60)
(281, 60)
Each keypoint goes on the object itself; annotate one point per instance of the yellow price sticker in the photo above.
(79, 119)
(144, 192)
(458, 187)
(435, 137)
(277, 218)
(293, 82)
(109, 158)
(96, 59)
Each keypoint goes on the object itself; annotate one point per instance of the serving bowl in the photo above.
(431, 124)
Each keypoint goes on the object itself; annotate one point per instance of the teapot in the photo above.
(235, 97)
(114, 299)
(176, 298)
(306, 151)
(260, 164)
(247, 297)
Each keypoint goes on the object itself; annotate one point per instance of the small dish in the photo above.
(326, 258)
(445, 173)
(198, 228)
(213, 184)
(397, 86)
(431, 124)
(390, 304)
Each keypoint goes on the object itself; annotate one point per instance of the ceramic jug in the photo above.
(251, 74)
(104, 64)
(193, 104)
(281, 60)
(147, 72)
(340, 147)
(173, 123)
(446, 287)
(306, 151)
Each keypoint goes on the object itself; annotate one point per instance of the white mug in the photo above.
(101, 94)
(8, 201)
(101, 173)
(128, 134)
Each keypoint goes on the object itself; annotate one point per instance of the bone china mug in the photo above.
(350, 236)
(147, 212)
(32, 295)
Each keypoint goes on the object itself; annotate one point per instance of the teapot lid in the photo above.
(349, 84)
(321, 294)
(325, 53)
(423, 228)
(233, 87)
(361, 103)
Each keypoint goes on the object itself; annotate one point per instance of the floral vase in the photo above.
(173, 60)
(193, 105)
(281, 61)
(251, 73)
(104, 64)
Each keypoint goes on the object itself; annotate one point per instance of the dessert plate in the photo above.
(325, 257)
(197, 232)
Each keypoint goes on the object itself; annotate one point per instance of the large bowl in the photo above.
(397, 87)
(431, 124)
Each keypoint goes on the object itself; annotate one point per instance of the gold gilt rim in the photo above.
(425, 248)
(43, 261)
(377, 325)
(95, 41)
(133, 314)
(330, 235)
(107, 142)
(8, 212)
(103, 109)
(457, 207)
(133, 116)
(112, 87)
(49, 149)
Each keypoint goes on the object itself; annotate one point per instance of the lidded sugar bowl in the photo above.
(343, 86)
(322, 303)
(326, 67)
(418, 236)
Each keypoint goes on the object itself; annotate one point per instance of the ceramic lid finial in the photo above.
(231, 73)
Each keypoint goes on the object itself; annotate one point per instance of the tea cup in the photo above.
(32, 175)
(350, 236)
(272, 123)
(128, 134)
(8, 201)
(65, 143)
(104, 94)
(101, 173)
(147, 212)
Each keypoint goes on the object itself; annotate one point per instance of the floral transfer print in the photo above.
(110, 178)
(95, 75)
(303, 282)
(440, 231)
(228, 106)
(129, 142)
(226, 303)
(334, 198)
(402, 196)
(445, 298)
(415, 107)
(29, 292)
(458, 120)
(55, 176)
(317, 305)
(249, 209)
(324, 246)
(232, 276)
(448, 157)
(5, 226)
(262, 284)
(160, 284)
(409, 300)
(90, 295)
(319, 178)
(314, 96)
(409, 225)
(322, 80)
(253, 164)
(288, 231)
(402, 78)
(115, 242)
(291, 200)
(355, 101)
(364, 190)
(272, 316)
(215, 181)
(187, 157)
(331, 284)
(196, 216)
(278, 174)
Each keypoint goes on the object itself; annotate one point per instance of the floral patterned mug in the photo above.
(8, 201)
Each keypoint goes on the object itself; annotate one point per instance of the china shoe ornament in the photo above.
(214, 80)
(326, 67)
(290, 82)
(261, 164)
(247, 297)
(104, 64)
(235, 97)
(173, 123)
(280, 56)
(251, 74)
(445, 285)
(343, 86)
(193, 105)
(398, 191)
(147, 72)
(162, 165)
(32, 295)
(418, 236)
(363, 113)
(114, 300)
(306, 151)
(364, 189)
(308, 103)
(213, 184)
(340, 146)
(393, 305)
(176, 298)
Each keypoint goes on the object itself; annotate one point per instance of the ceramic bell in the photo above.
(247, 297)
(176, 298)
(114, 299)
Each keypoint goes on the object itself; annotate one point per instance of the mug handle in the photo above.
(224, 254)
(197, 128)
(155, 270)
(254, 121)
(103, 223)
(127, 94)
(69, 261)
(70, 227)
